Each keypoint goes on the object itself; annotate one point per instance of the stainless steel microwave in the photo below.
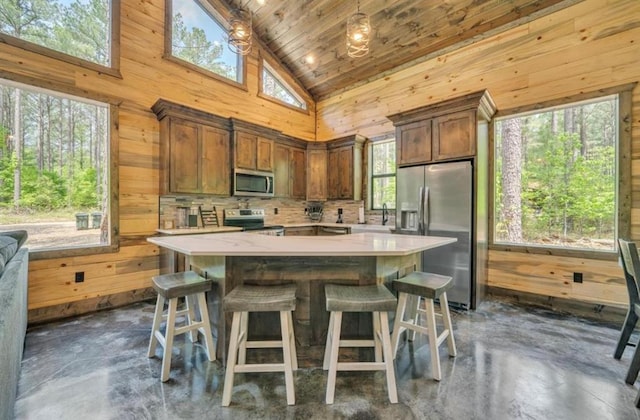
(252, 183)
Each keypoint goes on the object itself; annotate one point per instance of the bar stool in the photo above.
(376, 299)
(244, 299)
(170, 287)
(428, 286)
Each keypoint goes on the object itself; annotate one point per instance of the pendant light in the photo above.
(358, 31)
(240, 31)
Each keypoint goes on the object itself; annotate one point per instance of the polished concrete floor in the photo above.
(514, 362)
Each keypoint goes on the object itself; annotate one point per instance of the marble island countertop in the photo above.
(199, 230)
(355, 228)
(251, 244)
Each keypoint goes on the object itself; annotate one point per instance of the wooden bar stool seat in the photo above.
(376, 299)
(427, 286)
(244, 299)
(171, 287)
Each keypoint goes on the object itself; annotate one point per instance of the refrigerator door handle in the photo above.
(420, 211)
(425, 211)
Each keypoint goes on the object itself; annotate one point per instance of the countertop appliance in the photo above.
(251, 220)
(437, 200)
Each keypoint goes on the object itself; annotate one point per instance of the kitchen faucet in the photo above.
(385, 214)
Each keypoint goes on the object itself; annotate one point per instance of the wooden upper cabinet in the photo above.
(246, 156)
(184, 171)
(443, 131)
(216, 153)
(281, 164)
(289, 169)
(413, 143)
(298, 173)
(344, 169)
(317, 172)
(194, 150)
(264, 151)
(253, 146)
(454, 135)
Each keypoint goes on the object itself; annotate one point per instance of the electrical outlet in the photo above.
(577, 277)
(275, 210)
(79, 276)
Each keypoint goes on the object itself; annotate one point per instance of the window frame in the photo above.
(112, 70)
(390, 138)
(292, 87)
(219, 14)
(113, 184)
(623, 194)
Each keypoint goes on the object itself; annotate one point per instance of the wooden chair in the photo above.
(247, 298)
(171, 287)
(419, 286)
(376, 299)
(629, 260)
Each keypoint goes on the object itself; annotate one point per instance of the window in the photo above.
(198, 39)
(56, 169)
(274, 87)
(556, 176)
(69, 30)
(383, 174)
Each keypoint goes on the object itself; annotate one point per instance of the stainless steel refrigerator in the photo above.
(437, 200)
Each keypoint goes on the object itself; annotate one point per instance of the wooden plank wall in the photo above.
(146, 76)
(594, 44)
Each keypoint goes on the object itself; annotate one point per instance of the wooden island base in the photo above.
(310, 274)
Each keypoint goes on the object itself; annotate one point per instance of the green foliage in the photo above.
(194, 47)
(568, 177)
(83, 189)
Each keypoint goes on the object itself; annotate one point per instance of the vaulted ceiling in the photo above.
(404, 33)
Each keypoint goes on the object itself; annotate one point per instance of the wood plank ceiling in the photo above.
(404, 33)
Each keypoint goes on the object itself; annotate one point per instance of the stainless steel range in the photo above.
(251, 220)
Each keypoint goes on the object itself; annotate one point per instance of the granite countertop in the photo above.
(200, 230)
(251, 244)
(353, 226)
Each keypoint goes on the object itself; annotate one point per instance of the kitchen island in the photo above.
(231, 259)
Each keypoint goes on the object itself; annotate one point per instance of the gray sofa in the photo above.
(14, 265)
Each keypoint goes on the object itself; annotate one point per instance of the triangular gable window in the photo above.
(274, 87)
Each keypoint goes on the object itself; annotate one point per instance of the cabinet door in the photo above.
(298, 173)
(264, 155)
(316, 175)
(281, 165)
(414, 143)
(216, 162)
(333, 175)
(184, 147)
(245, 150)
(454, 135)
(345, 173)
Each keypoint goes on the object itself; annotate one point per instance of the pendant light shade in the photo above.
(358, 31)
(240, 31)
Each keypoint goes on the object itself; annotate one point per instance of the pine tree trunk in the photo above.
(512, 179)
(17, 136)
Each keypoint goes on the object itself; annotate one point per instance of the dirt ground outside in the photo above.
(55, 234)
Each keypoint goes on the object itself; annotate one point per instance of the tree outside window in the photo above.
(556, 176)
(383, 174)
(275, 88)
(78, 28)
(54, 168)
(198, 38)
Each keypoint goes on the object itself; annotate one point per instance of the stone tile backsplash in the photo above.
(288, 211)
